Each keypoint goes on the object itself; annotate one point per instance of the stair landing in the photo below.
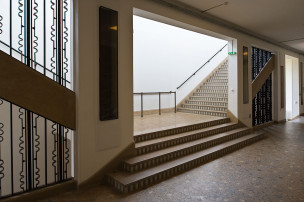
(155, 122)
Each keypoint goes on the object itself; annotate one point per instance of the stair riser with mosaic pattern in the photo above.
(211, 91)
(177, 130)
(217, 81)
(221, 74)
(206, 113)
(211, 94)
(171, 156)
(213, 87)
(145, 182)
(219, 77)
(223, 104)
(180, 140)
(208, 99)
(204, 107)
(207, 84)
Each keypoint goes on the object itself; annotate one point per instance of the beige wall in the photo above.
(98, 142)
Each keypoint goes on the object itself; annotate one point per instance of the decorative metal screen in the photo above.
(34, 151)
(262, 102)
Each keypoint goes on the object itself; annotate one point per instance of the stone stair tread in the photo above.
(205, 105)
(126, 178)
(180, 135)
(172, 149)
(203, 110)
(178, 125)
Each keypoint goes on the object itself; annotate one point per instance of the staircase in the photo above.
(211, 98)
(163, 154)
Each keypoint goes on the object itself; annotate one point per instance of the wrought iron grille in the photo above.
(262, 102)
(34, 151)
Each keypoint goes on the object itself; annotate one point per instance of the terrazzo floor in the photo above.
(269, 170)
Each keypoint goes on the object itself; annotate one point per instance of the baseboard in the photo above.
(264, 125)
(154, 111)
(100, 176)
(44, 192)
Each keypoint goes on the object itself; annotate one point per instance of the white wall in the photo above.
(292, 87)
(99, 142)
(165, 56)
(289, 89)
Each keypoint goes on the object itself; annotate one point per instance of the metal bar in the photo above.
(12, 163)
(45, 149)
(28, 43)
(142, 108)
(201, 67)
(29, 149)
(44, 38)
(58, 40)
(175, 102)
(11, 40)
(159, 104)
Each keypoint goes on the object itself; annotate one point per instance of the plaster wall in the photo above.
(99, 142)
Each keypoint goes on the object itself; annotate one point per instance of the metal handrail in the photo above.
(201, 67)
(159, 100)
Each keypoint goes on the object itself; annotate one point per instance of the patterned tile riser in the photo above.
(218, 77)
(220, 114)
(208, 99)
(165, 144)
(181, 168)
(210, 94)
(180, 153)
(217, 80)
(214, 87)
(215, 84)
(210, 91)
(225, 104)
(224, 109)
(158, 134)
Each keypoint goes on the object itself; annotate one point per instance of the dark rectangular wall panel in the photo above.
(245, 76)
(108, 64)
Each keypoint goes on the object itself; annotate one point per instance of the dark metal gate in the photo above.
(262, 102)
(34, 151)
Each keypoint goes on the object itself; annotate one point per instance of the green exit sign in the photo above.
(231, 53)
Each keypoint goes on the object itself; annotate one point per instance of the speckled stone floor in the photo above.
(269, 170)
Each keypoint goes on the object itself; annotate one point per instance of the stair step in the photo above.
(210, 87)
(178, 129)
(212, 91)
(217, 80)
(154, 158)
(127, 182)
(224, 95)
(203, 112)
(216, 83)
(168, 141)
(213, 103)
(205, 107)
(218, 77)
(223, 99)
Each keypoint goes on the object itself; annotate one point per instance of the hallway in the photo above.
(269, 170)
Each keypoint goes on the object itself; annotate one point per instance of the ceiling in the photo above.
(280, 20)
